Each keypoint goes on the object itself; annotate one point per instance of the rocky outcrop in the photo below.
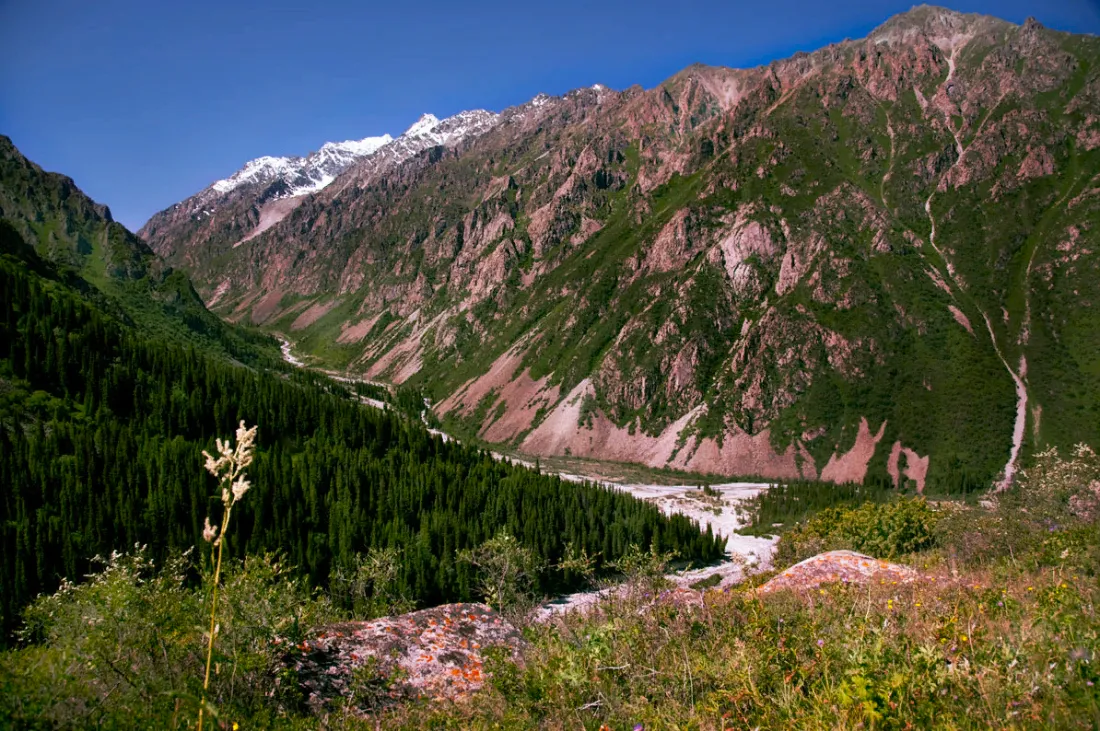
(837, 566)
(436, 653)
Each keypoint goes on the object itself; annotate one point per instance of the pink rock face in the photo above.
(837, 566)
(916, 467)
(961, 318)
(312, 315)
(746, 238)
(672, 249)
(1037, 164)
(567, 430)
(435, 653)
(852, 465)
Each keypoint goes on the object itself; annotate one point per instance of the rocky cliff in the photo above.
(876, 259)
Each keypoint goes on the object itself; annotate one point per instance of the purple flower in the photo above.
(639, 727)
(821, 643)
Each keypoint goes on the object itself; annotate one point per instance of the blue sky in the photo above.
(146, 102)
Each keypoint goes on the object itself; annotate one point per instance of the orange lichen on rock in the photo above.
(433, 653)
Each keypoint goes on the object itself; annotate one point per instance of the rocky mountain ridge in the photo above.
(873, 260)
(266, 189)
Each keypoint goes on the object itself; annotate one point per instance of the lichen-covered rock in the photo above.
(834, 566)
(435, 653)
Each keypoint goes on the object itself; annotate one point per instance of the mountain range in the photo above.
(266, 189)
(875, 260)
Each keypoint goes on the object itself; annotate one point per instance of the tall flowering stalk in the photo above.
(228, 467)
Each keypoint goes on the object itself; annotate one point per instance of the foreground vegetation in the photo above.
(1000, 631)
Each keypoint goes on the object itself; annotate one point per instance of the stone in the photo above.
(436, 653)
(837, 566)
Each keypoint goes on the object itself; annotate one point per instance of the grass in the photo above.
(980, 651)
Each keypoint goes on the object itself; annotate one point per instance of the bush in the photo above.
(126, 649)
(1051, 517)
(369, 587)
(886, 530)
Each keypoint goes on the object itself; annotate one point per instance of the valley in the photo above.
(721, 511)
(754, 397)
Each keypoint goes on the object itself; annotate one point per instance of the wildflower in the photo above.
(963, 638)
(821, 643)
(228, 467)
(215, 466)
(209, 532)
(639, 727)
(240, 487)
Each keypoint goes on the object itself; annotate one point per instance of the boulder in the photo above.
(834, 566)
(436, 653)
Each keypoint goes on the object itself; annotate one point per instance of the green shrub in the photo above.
(1050, 517)
(885, 530)
(783, 505)
(126, 648)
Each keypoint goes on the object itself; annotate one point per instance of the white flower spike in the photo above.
(209, 532)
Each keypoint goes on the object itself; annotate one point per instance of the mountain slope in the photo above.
(118, 269)
(876, 259)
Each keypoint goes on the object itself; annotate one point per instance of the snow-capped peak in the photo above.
(425, 124)
(301, 175)
(430, 130)
(288, 177)
(427, 132)
(255, 171)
